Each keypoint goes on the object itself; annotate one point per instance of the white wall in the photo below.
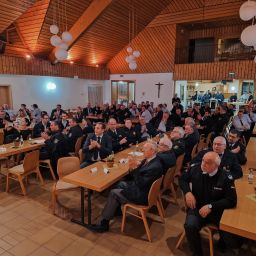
(145, 84)
(69, 92)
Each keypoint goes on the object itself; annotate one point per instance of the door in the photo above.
(5, 95)
(95, 95)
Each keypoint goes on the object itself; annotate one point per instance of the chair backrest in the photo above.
(78, 145)
(154, 192)
(31, 161)
(168, 178)
(81, 155)
(1, 138)
(194, 151)
(67, 165)
(179, 164)
(208, 139)
(201, 145)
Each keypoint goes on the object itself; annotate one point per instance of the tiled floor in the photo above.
(28, 227)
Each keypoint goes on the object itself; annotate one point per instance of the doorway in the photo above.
(6, 95)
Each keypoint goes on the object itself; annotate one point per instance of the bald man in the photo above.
(212, 192)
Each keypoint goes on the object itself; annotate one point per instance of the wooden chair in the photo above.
(201, 145)
(208, 229)
(194, 151)
(66, 165)
(179, 165)
(81, 155)
(168, 181)
(208, 139)
(47, 164)
(19, 172)
(1, 138)
(77, 147)
(153, 200)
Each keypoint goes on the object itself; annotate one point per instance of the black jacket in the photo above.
(53, 117)
(178, 146)
(56, 146)
(39, 128)
(150, 130)
(229, 162)
(88, 111)
(167, 159)
(190, 141)
(218, 190)
(241, 157)
(169, 125)
(104, 151)
(138, 187)
(130, 135)
(72, 136)
(116, 137)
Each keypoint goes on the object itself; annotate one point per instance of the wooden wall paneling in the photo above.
(215, 71)
(21, 66)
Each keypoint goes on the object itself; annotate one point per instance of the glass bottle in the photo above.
(250, 176)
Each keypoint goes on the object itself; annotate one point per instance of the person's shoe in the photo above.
(119, 212)
(100, 228)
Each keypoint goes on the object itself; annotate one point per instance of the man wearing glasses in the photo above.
(42, 126)
(229, 161)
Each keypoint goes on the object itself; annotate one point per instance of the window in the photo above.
(122, 91)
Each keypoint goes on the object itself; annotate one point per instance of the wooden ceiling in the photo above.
(26, 23)
(28, 31)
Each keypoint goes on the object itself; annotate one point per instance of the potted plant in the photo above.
(110, 161)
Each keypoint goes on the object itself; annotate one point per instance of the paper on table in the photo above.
(136, 153)
(252, 197)
(41, 141)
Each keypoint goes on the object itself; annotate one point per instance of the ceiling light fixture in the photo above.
(247, 12)
(132, 54)
(60, 43)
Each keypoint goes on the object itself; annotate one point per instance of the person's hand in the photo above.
(123, 141)
(45, 136)
(190, 200)
(236, 150)
(93, 143)
(133, 162)
(205, 211)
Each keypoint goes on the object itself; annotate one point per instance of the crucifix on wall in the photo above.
(159, 87)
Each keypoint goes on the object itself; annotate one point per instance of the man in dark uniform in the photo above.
(43, 126)
(55, 145)
(64, 123)
(73, 134)
(122, 114)
(229, 162)
(144, 130)
(129, 133)
(191, 140)
(178, 143)
(212, 192)
(134, 190)
(220, 120)
(119, 142)
(166, 154)
(236, 147)
(88, 110)
(164, 124)
(98, 145)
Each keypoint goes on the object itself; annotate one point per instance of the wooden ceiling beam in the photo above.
(84, 22)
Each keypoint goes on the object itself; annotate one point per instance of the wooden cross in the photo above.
(159, 87)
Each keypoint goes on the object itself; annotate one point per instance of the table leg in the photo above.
(81, 221)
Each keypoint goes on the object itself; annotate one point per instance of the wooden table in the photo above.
(27, 146)
(241, 220)
(97, 181)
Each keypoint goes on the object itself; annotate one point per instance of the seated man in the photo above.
(191, 140)
(134, 190)
(229, 161)
(236, 147)
(178, 143)
(98, 145)
(165, 154)
(55, 145)
(56, 113)
(129, 133)
(75, 131)
(119, 142)
(43, 126)
(144, 130)
(64, 123)
(164, 124)
(212, 192)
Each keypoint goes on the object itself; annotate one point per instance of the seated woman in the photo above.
(23, 128)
